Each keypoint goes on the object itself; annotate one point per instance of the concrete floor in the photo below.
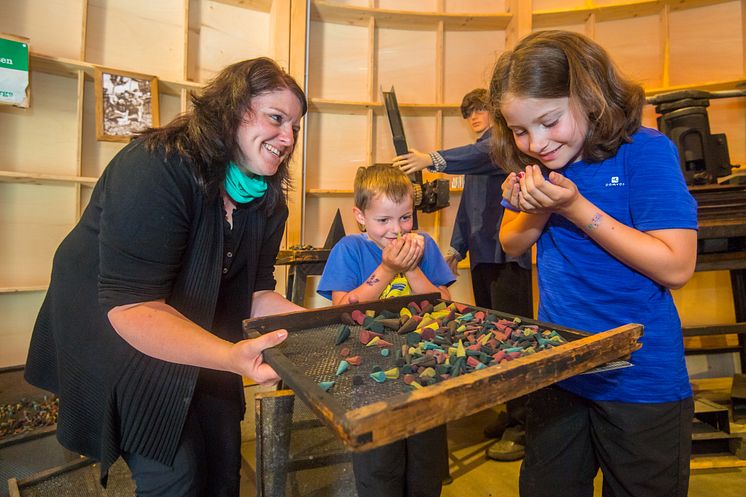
(474, 475)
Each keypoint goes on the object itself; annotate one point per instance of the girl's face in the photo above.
(385, 219)
(547, 129)
(266, 136)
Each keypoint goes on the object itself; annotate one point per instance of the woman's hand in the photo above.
(247, 360)
(413, 161)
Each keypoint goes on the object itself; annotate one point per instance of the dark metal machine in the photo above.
(683, 118)
(428, 196)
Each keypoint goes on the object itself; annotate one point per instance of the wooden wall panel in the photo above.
(469, 57)
(56, 34)
(543, 5)
(19, 314)
(420, 132)
(221, 34)
(337, 63)
(41, 139)
(137, 35)
(320, 212)
(474, 6)
(35, 218)
(336, 148)
(706, 44)
(634, 46)
(406, 59)
(727, 116)
(409, 5)
(456, 131)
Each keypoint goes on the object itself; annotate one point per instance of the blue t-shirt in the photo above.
(354, 258)
(582, 286)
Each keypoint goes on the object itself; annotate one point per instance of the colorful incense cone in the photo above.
(344, 351)
(408, 378)
(405, 313)
(415, 385)
(357, 316)
(385, 352)
(378, 376)
(460, 351)
(427, 373)
(347, 319)
(355, 360)
(373, 341)
(364, 336)
(391, 324)
(343, 366)
(342, 334)
(409, 325)
(426, 306)
(357, 380)
(326, 385)
(392, 373)
(383, 343)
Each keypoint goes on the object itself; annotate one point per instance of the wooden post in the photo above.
(274, 416)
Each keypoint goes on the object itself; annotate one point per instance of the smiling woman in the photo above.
(140, 332)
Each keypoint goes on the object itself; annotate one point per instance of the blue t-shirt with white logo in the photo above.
(354, 258)
(584, 287)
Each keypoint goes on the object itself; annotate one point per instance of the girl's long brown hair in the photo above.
(205, 137)
(556, 64)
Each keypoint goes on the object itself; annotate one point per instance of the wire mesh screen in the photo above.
(314, 352)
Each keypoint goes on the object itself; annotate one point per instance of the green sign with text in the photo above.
(13, 72)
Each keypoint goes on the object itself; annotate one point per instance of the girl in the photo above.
(615, 227)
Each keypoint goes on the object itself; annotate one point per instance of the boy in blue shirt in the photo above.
(388, 260)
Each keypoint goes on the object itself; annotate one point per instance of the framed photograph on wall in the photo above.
(126, 104)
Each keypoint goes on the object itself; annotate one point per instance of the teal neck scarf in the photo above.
(243, 187)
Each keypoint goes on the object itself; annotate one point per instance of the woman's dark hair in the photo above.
(205, 136)
(556, 64)
(475, 100)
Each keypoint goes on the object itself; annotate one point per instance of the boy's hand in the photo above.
(400, 255)
(417, 249)
(413, 161)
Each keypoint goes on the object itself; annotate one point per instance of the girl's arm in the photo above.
(158, 330)
(666, 256)
(520, 230)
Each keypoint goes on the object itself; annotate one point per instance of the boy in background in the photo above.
(388, 260)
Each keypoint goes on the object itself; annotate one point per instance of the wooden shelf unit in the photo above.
(50, 158)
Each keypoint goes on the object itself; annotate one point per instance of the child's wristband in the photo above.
(508, 205)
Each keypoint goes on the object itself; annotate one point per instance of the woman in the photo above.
(140, 332)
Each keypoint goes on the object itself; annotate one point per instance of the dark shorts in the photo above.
(642, 449)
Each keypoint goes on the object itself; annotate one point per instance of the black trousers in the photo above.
(503, 287)
(643, 450)
(412, 467)
(208, 459)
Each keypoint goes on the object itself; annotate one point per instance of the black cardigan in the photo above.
(148, 233)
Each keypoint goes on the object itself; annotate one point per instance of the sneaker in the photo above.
(510, 447)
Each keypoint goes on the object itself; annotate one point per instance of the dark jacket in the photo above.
(479, 215)
(148, 233)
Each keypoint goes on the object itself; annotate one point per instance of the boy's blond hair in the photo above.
(381, 179)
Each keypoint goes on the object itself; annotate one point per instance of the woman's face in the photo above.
(266, 136)
(547, 129)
